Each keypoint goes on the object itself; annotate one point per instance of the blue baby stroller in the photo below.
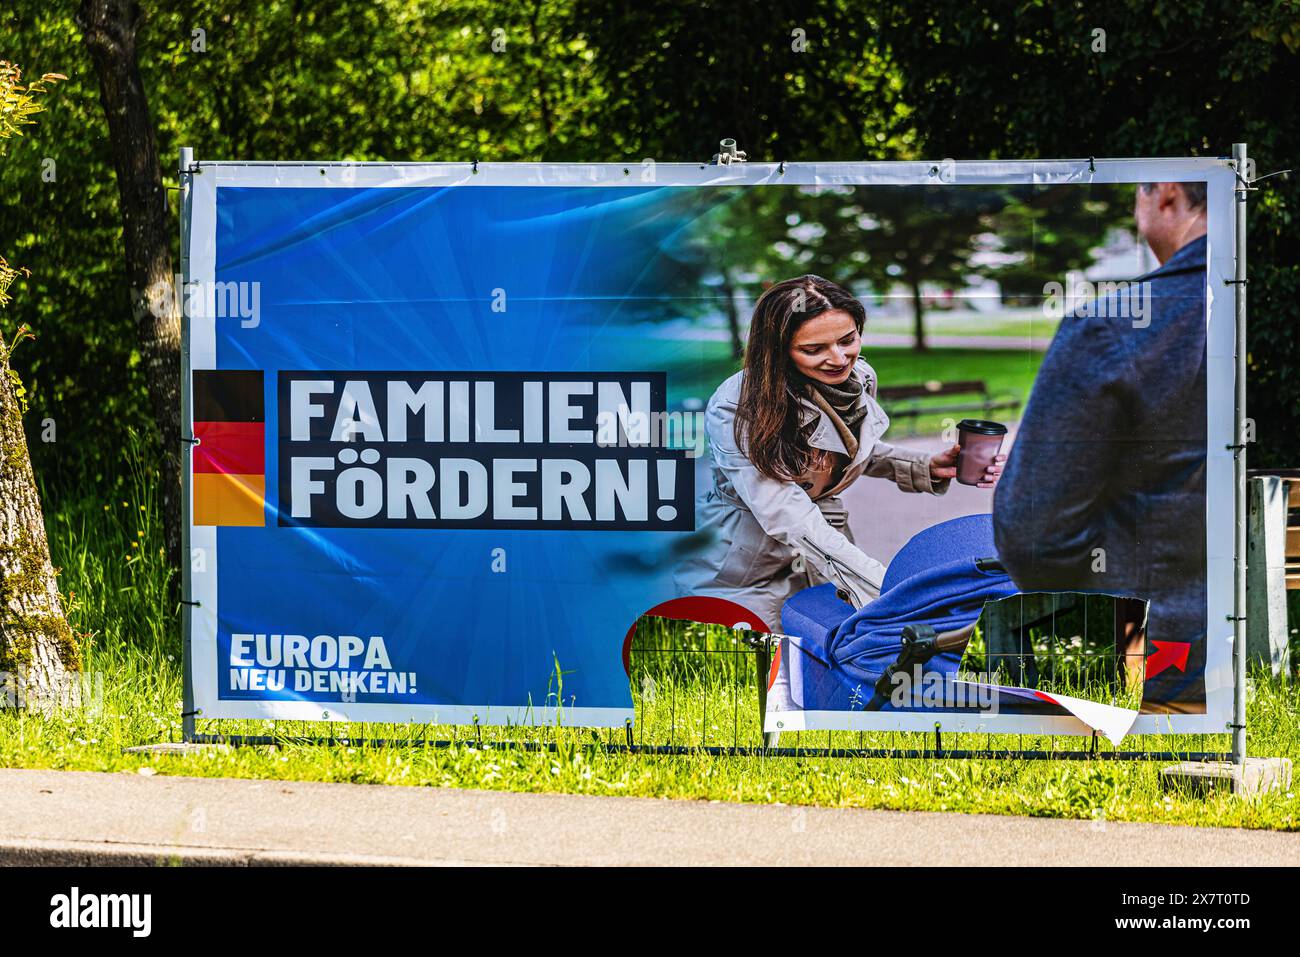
(834, 657)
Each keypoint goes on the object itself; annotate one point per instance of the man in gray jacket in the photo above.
(1104, 490)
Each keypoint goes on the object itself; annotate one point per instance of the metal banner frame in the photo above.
(1227, 188)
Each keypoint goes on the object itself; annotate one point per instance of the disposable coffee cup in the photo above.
(980, 442)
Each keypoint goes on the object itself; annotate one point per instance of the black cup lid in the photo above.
(982, 427)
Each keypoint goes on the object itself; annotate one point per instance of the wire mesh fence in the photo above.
(1086, 646)
(700, 688)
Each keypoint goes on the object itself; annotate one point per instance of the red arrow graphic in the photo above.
(1167, 653)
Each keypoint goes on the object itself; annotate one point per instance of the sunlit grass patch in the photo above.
(691, 686)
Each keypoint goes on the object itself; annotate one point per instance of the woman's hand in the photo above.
(943, 465)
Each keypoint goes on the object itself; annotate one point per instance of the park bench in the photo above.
(910, 402)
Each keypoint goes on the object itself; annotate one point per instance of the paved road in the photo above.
(86, 817)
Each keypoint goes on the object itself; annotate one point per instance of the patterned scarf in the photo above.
(840, 402)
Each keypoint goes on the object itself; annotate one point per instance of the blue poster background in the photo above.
(403, 279)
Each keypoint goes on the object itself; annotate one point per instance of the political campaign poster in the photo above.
(457, 427)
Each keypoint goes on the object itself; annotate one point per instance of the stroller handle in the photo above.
(954, 640)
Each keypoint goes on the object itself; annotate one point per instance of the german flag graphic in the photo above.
(229, 484)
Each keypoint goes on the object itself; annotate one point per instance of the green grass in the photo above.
(142, 705)
(1000, 322)
(131, 638)
(1006, 373)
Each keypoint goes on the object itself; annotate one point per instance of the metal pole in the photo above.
(187, 430)
(1239, 460)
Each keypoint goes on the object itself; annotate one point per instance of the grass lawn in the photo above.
(1005, 322)
(142, 705)
(1003, 370)
(113, 575)
(1006, 373)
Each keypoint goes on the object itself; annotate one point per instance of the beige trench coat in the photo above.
(769, 538)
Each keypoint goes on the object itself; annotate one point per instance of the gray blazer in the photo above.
(769, 538)
(1104, 490)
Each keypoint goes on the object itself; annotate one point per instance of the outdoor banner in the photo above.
(456, 427)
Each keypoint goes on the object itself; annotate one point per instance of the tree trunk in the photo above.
(918, 316)
(733, 317)
(37, 650)
(110, 28)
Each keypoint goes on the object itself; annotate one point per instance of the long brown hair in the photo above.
(767, 414)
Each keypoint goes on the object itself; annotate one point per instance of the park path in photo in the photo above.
(883, 518)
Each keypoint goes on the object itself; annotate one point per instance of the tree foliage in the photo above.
(19, 102)
(577, 80)
(1000, 78)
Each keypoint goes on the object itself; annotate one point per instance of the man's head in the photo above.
(1170, 215)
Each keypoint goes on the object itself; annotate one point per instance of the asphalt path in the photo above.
(82, 817)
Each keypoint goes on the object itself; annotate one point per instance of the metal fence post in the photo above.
(1239, 467)
(187, 596)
